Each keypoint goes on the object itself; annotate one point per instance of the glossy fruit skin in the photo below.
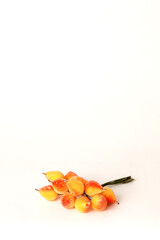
(54, 175)
(48, 193)
(69, 175)
(92, 188)
(75, 187)
(109, 195)
(60, 186)
(68, 201)
(83, 204)
(99, 202)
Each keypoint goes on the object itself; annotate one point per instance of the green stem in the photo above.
(119, 181)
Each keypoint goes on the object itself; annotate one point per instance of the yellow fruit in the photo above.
(84, 181)
(76, 187)
(83, 204)
(47, 192)
(54, 175)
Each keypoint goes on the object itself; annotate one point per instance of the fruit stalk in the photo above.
(118, 181)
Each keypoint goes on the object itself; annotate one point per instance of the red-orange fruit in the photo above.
(99, 202)
(60, 186)
(92, 188)
(69, 175)
(68, 201)
(109, 195)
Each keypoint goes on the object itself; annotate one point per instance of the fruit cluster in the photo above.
(77, 192)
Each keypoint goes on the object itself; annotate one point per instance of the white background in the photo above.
(79, 90)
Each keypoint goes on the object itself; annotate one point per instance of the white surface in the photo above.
(79, 90)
